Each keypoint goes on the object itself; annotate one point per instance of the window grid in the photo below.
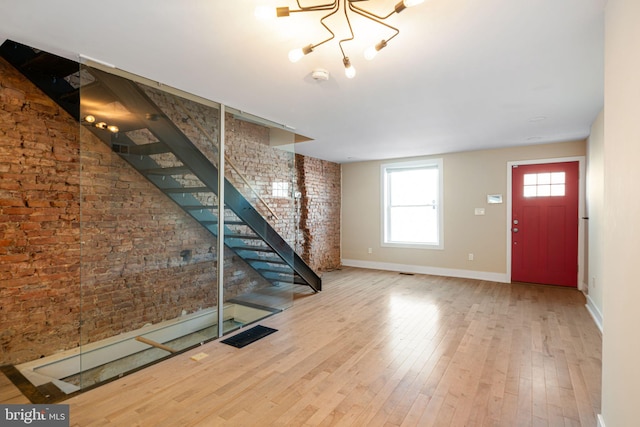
(545, 184)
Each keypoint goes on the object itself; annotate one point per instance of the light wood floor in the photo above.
(381, 349)
(9, 393)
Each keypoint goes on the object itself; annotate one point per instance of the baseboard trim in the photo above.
(595, 313)
(600, 420)
(420, 269)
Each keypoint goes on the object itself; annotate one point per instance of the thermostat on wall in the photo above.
(494, 198)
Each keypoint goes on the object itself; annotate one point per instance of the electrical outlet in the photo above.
(370, 251)
(470, 257)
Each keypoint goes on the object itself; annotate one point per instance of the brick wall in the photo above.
(67, 218)
(133, 269)
(319, 211)
(310, 224)
(39, 223)
(132, 236)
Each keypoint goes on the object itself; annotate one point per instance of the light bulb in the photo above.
(406, 3)
(264, 13)
(89, 118)
(296, 54)
(372, 51)
(101, 125)
(349, 71)
(113, 128)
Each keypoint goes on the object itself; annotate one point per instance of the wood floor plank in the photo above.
(378, 348)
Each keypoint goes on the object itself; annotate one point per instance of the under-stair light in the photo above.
(331, 8)
(91, 119)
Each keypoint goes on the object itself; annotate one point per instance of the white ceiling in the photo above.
(461, 75)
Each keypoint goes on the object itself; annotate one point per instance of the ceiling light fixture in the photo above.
(331, 8)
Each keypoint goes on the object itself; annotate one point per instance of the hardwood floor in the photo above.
(9, 393)
(381, 349)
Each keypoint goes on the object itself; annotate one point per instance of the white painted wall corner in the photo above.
(592, 308)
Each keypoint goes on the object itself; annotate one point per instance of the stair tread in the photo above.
(252, 248)
(241, 236)
(186, 190)
(175, 170)
(149, 149)
(280, 272)
(198, 207)
(226, 222)
(270, 261)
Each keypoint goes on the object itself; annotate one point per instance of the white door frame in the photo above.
(581, 208)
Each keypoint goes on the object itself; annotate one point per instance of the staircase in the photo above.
(189, 179)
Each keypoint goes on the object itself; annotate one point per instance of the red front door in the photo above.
(544, 229)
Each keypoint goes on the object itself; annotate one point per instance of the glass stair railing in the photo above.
(188, 178)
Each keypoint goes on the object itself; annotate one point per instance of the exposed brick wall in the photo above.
(319, 182)
(39, 227)
(132, 236)
(251, 164)
(73, 211)
(310, 224)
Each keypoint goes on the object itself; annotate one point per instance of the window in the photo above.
(412, 204)
(280, 189)
(547, 184)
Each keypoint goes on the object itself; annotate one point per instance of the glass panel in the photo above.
(539, 185)
(544, 190)
(261, 168)
(148, 264)
(146, 258)
(141, 203)
(557, 178)
(544, 178)
(410, 187)
(530, 191)
(557, 190)
(414, 225)
(530, 179)
(41, 242)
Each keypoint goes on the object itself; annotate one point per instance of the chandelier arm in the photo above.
(364, 13)
(367, 13)
(346, 15)
(326, 6)
(337, 2)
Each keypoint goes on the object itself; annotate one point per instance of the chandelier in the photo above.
(330, 9)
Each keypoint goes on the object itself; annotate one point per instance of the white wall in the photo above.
(595, 211)
(621, 289)
(468, 178)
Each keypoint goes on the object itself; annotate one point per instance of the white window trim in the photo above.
(438, 163)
